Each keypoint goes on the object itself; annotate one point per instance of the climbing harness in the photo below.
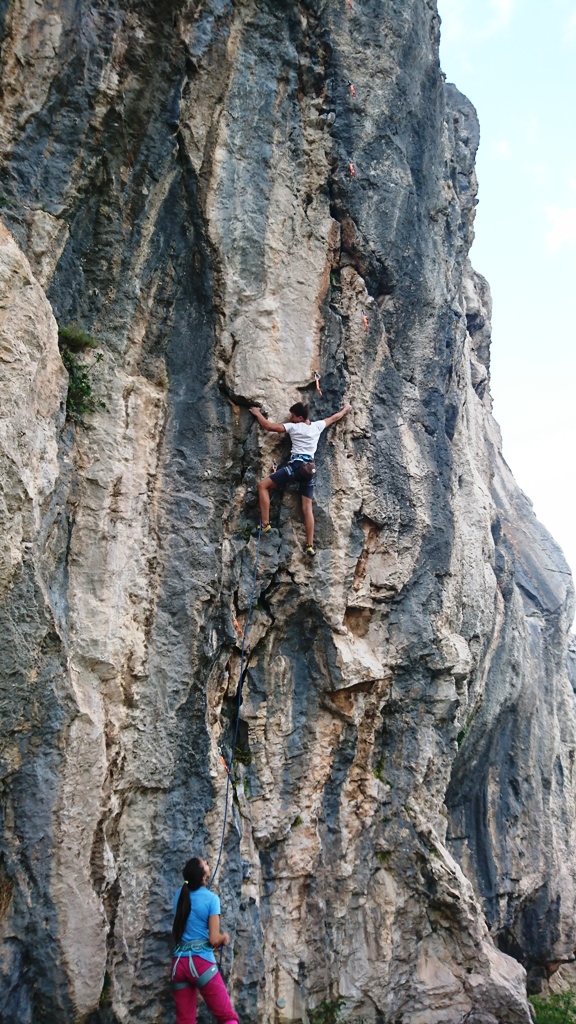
(191, 949)
(230, 765)
(304, 466)
(317, 379)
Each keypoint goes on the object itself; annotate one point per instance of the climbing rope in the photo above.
(229, 767)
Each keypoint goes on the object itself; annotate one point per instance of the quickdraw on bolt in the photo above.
(239, 628)
(317, 379)
(223, 759)
(352, 170)
(274, 466)
(365, 322)
(352, 90)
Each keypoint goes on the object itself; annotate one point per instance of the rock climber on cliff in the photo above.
(196, 932)
(304, 436)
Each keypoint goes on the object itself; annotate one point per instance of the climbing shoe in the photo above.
(310, 551)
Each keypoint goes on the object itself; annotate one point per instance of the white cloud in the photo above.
(453, 15)
(562, 224)
(503, 9)
(571, 28)
(539, 172)
(532, 131)
(463, 19)
(502, 14)
(504, 149)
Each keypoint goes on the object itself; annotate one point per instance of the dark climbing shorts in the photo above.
(289, 475)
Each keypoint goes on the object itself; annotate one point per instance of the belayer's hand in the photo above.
(225, 939)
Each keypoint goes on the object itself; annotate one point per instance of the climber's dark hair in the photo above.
(193, 874)
(300, 410)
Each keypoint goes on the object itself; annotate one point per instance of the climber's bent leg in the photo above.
(275, 482)
(308, 513)
(264, 488)
(185, 998)
(215, 995)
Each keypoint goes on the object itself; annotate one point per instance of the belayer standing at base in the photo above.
(304, 436)
(196, 932)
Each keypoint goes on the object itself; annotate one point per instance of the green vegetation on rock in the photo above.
(559, 1008)
(80, 400)
(327, 1012)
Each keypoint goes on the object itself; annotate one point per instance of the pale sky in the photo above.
(516, 62)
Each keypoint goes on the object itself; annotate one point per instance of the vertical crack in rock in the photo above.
(232, 197)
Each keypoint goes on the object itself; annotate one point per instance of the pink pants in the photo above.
(214, 994)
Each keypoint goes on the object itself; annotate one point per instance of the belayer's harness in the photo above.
(191, 949)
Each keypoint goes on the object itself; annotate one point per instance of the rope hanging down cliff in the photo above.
(230, 767)
(300, 425)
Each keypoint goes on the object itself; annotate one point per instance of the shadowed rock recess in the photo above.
(196, 185)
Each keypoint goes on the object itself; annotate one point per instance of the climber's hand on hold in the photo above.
(276, 428)
(337, 415)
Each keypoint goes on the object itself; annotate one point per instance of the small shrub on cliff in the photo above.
(243, 754)
(80, 399)
(74, 338)
(329, 1011)
(556, 1009)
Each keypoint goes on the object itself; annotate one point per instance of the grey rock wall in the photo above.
(197, 185)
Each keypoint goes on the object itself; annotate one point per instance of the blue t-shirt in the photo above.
(204, 905)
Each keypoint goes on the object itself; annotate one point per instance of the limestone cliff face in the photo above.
(196, 183)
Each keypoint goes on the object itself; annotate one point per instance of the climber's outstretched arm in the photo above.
(337, 415)
(277, 428)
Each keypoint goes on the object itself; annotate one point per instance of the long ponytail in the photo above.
(193, 873)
